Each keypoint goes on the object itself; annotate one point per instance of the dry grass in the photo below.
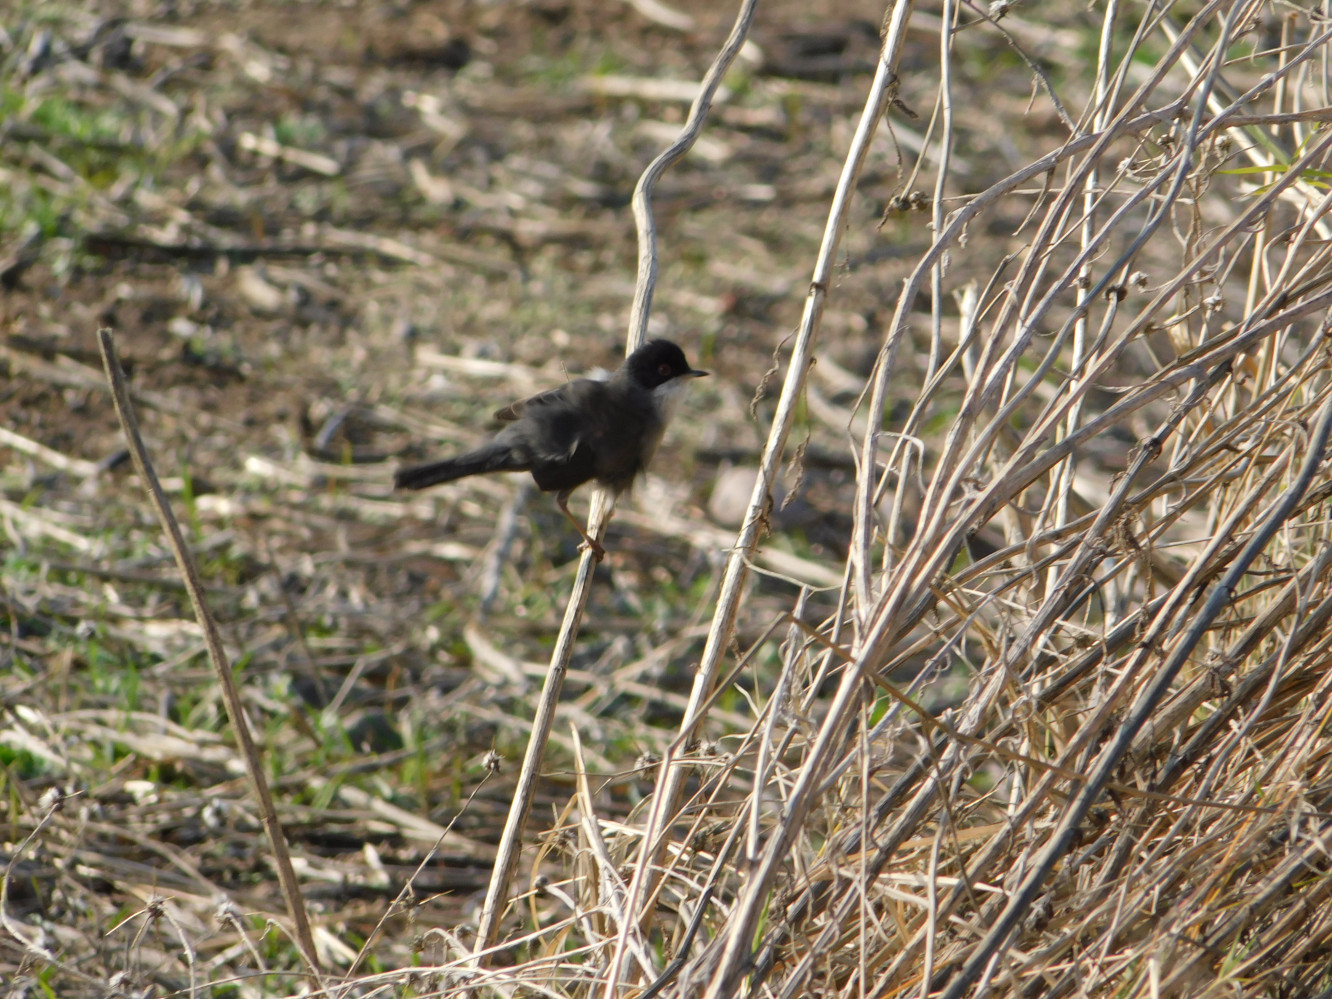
(1033, 701)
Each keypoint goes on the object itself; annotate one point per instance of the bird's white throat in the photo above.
(667, 397)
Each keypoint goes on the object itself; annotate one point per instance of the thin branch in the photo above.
(129, 425)
(510, 846)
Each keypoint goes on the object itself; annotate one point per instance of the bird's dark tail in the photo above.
(491, 458)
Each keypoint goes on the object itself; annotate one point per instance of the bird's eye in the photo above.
(663, 369)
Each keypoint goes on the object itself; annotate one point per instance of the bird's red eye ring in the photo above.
(663, 369)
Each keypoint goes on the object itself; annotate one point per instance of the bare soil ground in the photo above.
(332, 238)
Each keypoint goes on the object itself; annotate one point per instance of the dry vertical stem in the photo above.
(510, 846)
(739, 930)
(216, 654)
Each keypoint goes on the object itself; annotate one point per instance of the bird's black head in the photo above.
(658, 362)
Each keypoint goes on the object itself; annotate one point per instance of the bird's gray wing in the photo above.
(567, 393)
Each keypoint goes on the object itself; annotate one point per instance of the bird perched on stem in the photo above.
(586, 429)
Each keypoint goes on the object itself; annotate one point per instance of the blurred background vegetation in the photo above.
(332, 237)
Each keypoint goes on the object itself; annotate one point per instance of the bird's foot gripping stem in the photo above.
(589, 543)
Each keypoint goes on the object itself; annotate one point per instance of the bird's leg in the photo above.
(589, 542)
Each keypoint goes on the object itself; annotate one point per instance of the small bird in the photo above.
(586, 429)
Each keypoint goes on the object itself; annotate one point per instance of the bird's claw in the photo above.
(588, 545)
